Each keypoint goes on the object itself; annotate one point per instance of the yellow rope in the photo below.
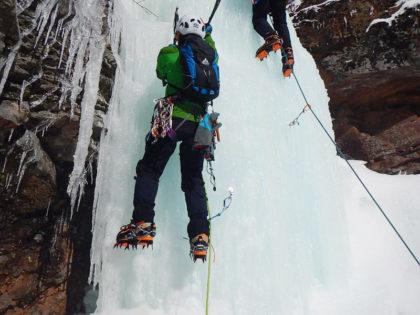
(209, 266)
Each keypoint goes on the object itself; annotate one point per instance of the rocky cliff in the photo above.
(44, 253)
(370, 67)
(368, 54)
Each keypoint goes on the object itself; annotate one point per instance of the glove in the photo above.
(208, 29)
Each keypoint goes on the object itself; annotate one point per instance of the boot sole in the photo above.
(263, 54)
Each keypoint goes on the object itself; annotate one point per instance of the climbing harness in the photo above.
(340, 152)
(162, 117)
(205, 139)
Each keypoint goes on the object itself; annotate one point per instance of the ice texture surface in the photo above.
(301, 235)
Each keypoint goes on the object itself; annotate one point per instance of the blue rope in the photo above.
(340, 152)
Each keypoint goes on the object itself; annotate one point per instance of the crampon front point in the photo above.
(134, 235)
(198, 247)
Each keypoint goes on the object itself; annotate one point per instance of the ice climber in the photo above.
(275, 38)
(192, 37)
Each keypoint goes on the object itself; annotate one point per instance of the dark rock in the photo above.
(11, 115)
(35, 244)
(34, 159)
(372, 74)
(59, 134)
(8, 23)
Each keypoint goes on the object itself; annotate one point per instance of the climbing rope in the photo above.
(209, 265)
(340, 152)
(226, 204)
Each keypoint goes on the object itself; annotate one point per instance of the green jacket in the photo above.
(169, 68)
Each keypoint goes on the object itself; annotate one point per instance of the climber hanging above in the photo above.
(277, 38)
(189, 70)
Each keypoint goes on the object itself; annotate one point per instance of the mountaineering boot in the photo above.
(272, 43)
(198, 247)
(134, 234)
(287, 61)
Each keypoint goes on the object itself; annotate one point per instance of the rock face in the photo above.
(368, 53)
(44, 255)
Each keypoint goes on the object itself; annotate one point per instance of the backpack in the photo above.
(200, 71)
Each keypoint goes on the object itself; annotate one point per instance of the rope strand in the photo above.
(340, 152)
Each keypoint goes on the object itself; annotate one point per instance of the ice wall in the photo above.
(285, 236)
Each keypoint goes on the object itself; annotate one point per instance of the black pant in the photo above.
(150, 168)
(260, 9)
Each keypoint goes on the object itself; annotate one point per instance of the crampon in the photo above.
(134, 235)
(198, 247)
(272, 43)
(288, 62)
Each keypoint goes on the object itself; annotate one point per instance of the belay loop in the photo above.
(162, 117)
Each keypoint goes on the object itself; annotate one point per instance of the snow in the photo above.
(317, 7)
(301, 235)
(403, 6)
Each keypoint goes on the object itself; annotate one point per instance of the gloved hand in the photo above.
(208, 28)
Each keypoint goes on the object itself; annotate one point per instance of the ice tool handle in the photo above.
(216, 5)
(176, 18)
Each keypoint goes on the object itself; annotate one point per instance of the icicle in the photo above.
(48, 208)
(115, 26)
(11, 135)
(96, 47)
(61, 21)
(21, 170)
(53, 17)
(42, 98)
(78, 73)
(9, 178)
(63, 45)
(57, 229)
(45, 8)
(65, 90)
(8, 64)
(4, 165)
(42, 13)
(25, 84)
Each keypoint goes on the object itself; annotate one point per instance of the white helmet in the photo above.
(191, 25)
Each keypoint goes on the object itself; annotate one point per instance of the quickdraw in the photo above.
(296, 120)
(162, 117)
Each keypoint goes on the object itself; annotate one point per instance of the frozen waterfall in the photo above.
(301, 236)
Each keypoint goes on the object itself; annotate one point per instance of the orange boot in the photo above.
(272, 43)
(140, 233)
(198, 247)
(288, 62)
